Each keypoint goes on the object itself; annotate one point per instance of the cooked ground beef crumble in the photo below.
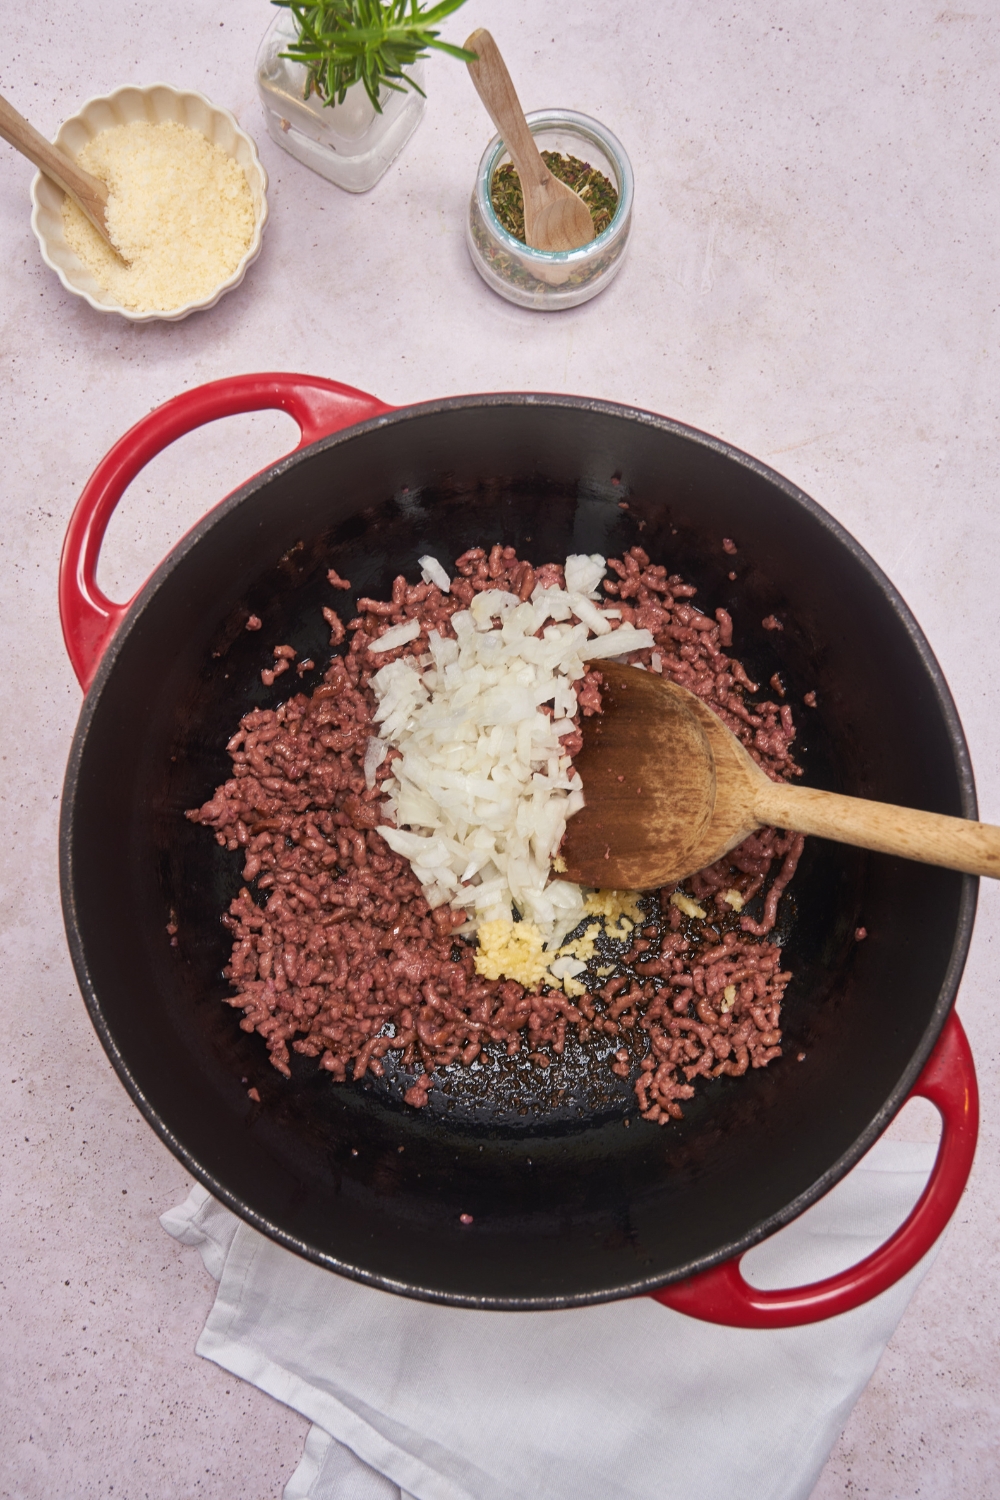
(337, 955)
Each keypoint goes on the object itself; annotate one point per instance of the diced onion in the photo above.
(433, 572)
(482, 789)
(396, 635)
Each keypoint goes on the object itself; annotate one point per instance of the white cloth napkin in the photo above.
(626, 1401)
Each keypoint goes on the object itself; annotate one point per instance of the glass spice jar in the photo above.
(548, 280)
(350, 144)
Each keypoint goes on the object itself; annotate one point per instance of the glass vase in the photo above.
(350, 144)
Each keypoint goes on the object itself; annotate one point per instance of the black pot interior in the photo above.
(569, 1203)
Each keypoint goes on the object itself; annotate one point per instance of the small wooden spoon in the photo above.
(88, 193)
(654, 815)
(555, 218)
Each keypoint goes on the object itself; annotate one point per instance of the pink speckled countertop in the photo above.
(813, 276)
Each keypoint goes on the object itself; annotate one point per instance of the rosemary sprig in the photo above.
(342, 42)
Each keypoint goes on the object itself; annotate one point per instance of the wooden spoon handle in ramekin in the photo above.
(88, 193)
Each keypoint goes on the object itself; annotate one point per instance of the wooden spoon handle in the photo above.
(89, 192)
(495, 89)
(956, 843)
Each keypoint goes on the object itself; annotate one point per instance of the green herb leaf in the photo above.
(343, 42)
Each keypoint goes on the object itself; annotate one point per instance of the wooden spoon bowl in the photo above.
(648, 772)
(654, 814)
(555, 218)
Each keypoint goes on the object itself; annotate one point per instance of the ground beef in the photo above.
(337, 955)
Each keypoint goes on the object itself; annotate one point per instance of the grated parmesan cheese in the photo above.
(179, 211)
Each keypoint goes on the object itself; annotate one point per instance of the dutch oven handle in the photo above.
(89, 618)
(721, 1295)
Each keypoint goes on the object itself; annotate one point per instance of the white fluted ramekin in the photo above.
(156, 103)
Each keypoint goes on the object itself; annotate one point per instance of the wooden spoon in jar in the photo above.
(555, 218)
(663, 802)
(88, 193)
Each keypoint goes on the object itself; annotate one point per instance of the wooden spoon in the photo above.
(653, 816)
(555, 218)
(88, 193)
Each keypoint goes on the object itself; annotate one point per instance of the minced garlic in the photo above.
(614, 905)
(179, 211)
(582, 948)
(687, 905)
(514, 950)
(511, 950)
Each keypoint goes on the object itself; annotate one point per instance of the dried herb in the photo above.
(599, 194)
(343, 42)
(507, 266)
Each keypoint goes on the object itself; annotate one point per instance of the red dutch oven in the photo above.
(567, 1206)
